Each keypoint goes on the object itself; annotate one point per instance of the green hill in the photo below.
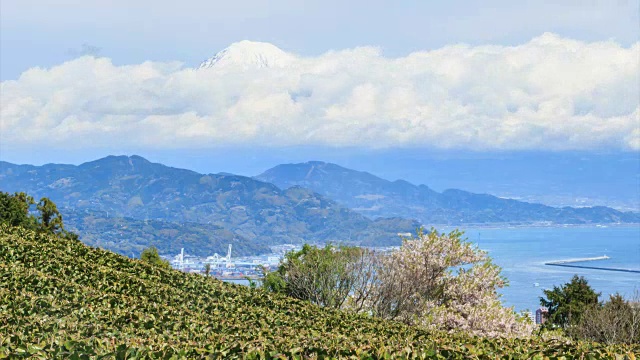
(249, 213)
(62, 299)
(128, 236)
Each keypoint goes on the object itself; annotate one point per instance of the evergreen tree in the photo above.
(14, 211)
(50, 217)
(567, 303)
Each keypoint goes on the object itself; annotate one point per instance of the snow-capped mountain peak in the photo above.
(249, 55)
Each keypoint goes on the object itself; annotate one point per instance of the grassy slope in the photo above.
(59, 298)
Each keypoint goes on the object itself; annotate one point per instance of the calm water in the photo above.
(522, 252)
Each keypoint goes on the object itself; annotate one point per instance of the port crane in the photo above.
(218, 260)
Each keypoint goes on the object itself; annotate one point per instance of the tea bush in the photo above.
(62, 299)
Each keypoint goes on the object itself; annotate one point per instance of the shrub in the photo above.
(151, 256)
(326, 276)
(617, 321)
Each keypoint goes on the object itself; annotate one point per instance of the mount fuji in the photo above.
(247, 55)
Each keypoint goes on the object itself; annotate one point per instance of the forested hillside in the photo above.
(376, 197)
(240, 209)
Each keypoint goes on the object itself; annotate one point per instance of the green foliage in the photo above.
(151, 256)
(568, 302)
(273, 281)
(615, 321)
(62, 299)
(14, 210)
(323, 276)
(50, 218)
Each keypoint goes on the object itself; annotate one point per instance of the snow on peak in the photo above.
(249, 55)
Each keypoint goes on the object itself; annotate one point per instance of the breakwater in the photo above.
(568, 261)
(572, 264)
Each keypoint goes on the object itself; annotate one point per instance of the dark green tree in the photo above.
(567, 303)
(151, 256)
(50, 217)
(14, 210)
(273, 281)
(207, 269)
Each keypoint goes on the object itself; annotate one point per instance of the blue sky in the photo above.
(46, 33)
(85, 79)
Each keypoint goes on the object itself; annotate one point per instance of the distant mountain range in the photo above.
(127, 201)
(376, 197)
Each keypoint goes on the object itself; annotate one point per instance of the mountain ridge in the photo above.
(133, 187)
(377, 197)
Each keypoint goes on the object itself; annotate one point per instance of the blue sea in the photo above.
(522, 252)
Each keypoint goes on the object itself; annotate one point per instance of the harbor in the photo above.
(228, 268)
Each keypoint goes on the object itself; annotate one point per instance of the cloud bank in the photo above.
(550, 93)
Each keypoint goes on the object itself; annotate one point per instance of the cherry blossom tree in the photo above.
(443, 282)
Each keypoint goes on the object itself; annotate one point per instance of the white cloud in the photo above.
(549, 93)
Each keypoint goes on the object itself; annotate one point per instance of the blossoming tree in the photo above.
(443, 282)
